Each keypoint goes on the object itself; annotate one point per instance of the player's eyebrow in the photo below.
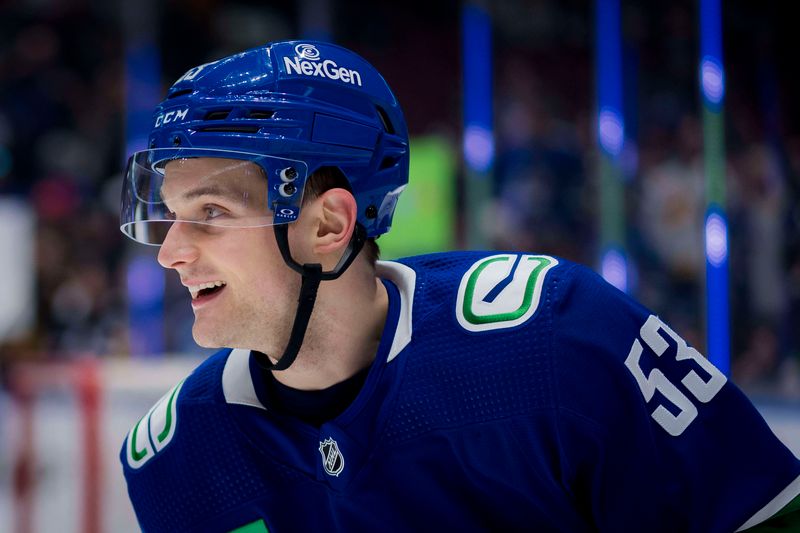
(210, 190)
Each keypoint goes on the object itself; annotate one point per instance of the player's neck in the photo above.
(344, 331)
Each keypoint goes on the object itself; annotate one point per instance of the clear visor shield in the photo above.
(211, 189)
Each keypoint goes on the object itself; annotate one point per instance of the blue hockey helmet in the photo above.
(290, 108)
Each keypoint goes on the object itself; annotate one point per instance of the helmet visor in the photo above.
(212, 189)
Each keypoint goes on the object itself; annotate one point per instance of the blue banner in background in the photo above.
(476, 41)
(145, 277)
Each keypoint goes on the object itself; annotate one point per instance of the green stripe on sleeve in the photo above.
(253, 527)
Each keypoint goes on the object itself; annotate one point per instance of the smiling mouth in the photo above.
(206, 296)
(205, 290)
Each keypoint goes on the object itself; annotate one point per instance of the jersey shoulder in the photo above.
(485, 291)
(156, 430)
(481, 348)
(499, 300)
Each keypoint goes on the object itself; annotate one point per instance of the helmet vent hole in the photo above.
(260, 113)
(218, 114)
(179, 93)
(384, 116)
(388, 162)
(231, 129)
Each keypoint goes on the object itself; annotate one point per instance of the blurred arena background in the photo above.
(92, 331)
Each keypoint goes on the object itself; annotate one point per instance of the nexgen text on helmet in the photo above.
(326, 69)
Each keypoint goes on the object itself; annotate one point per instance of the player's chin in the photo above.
(206, 338)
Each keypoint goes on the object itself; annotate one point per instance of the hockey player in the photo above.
(466, 391)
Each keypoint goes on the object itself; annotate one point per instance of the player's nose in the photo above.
(178, 248)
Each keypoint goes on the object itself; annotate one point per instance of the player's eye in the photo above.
(213, 211)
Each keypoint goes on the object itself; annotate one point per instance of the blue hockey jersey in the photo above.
(510, 392)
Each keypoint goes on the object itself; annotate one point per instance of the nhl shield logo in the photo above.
(332, 459)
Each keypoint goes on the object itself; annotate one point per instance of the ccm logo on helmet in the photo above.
(171, 116)
(307, 63)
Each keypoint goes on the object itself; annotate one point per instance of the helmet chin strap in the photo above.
(312, 274)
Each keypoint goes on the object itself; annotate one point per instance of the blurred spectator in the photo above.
(671, 206)
(540, 178)
(60, 109)
(790, 325)
(760, 210)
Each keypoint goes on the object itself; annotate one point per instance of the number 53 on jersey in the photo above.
(653, 334)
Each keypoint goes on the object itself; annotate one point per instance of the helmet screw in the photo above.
(288, 189)
(176, 141)
(288, 174)
(372, 211)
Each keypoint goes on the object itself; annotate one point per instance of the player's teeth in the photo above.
(195, 289)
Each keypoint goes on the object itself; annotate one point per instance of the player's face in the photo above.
(239, 284)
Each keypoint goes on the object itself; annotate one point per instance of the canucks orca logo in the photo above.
(154, 431)
(501, 291)
(332, 459)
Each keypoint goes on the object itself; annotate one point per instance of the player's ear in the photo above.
(335, 221)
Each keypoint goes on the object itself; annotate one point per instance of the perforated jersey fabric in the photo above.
(510, 392)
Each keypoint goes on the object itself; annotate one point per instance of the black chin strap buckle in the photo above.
(312, 275)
